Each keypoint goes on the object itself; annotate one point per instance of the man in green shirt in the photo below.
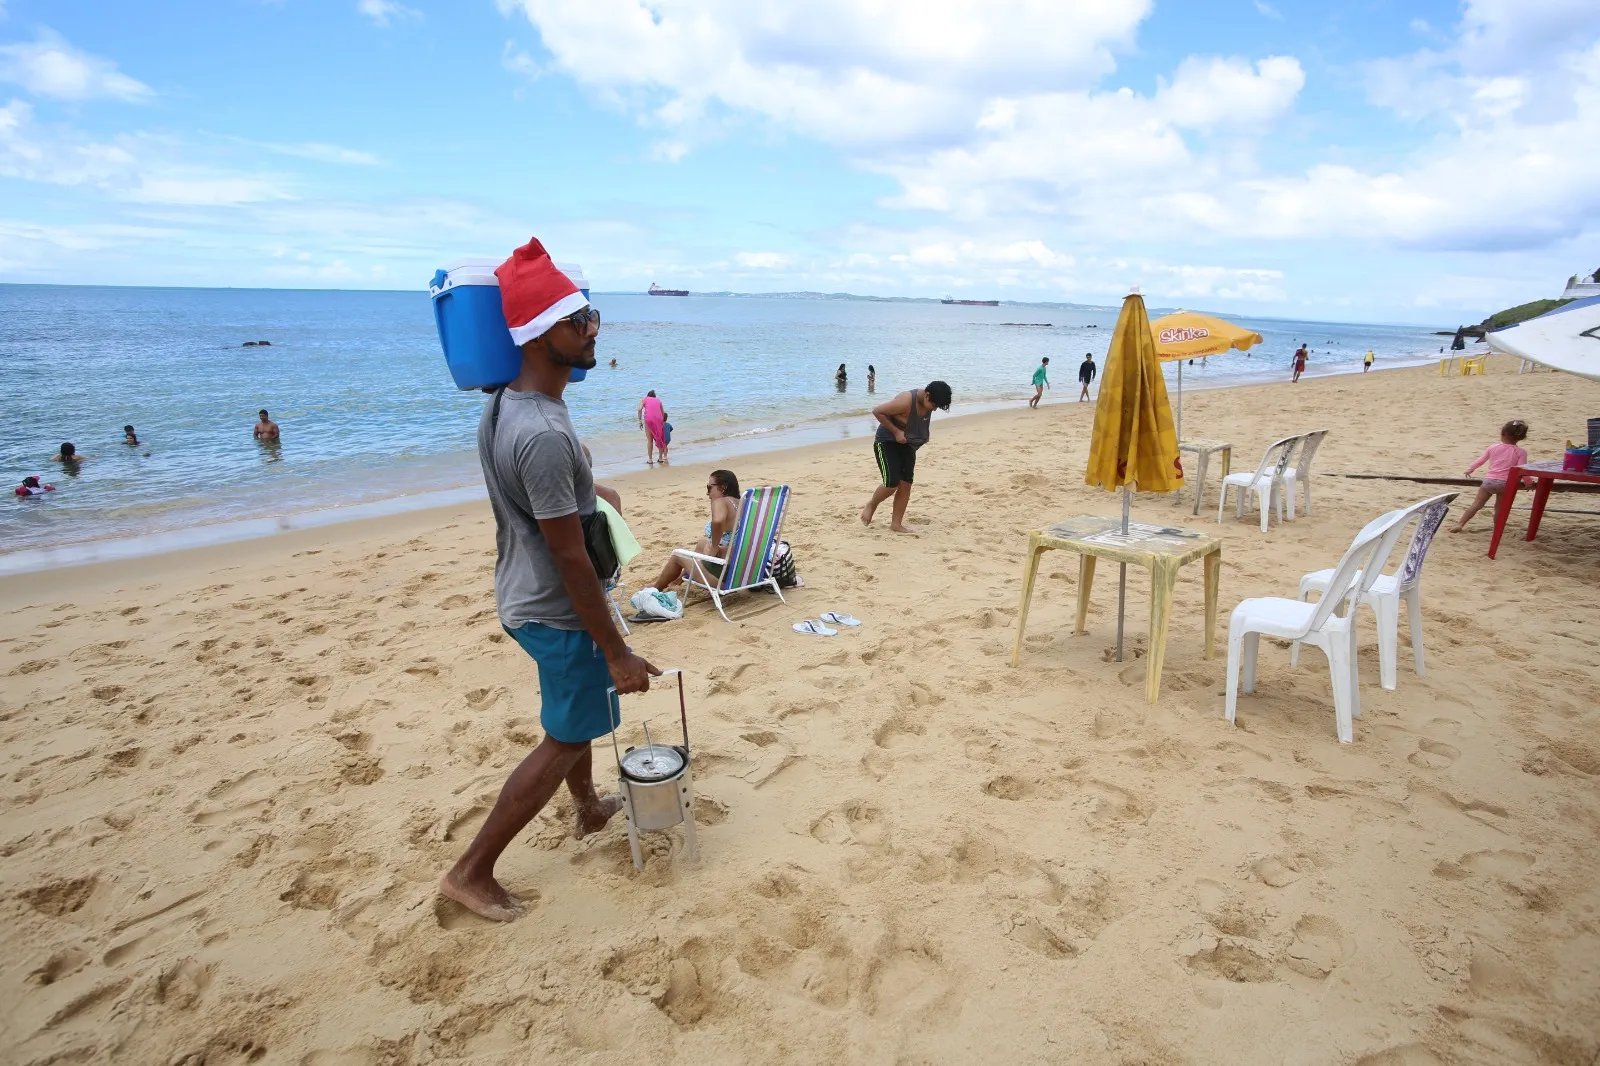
(1041, 381)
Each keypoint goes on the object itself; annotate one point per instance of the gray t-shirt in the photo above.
(534, 468)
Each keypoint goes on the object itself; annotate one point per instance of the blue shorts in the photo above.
(573, 678)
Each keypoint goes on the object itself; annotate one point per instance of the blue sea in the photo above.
(358, 384)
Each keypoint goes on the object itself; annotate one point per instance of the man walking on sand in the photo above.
(1299, 362)
(1041, 381)
(549, 597)
(1366, 362)
(1085, 375)
(903, 424)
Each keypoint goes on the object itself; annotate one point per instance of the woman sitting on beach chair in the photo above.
(722, 490)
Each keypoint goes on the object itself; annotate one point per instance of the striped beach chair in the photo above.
(749, 561)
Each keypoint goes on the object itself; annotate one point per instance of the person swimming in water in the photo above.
(266, 429)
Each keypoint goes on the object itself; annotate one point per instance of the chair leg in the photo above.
(774, 583)
(1338, 649)
(1355, 671)
(716, 598)
(1414, 602)
(1307, 483)
(1251, 652)
(1235, 649)
(1294, 649)
(1387, 608)
(1265, 500)
(1222, 501)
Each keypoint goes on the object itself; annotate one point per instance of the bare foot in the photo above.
(593, 819)
(1455, 529)
(486, 901)
(866, 516)
(913, 530)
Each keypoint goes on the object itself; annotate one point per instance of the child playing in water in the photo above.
(1501, 458)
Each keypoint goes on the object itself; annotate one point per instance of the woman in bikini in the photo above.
(722, 491)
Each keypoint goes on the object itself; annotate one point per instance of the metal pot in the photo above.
(657, 787)
(655, 783)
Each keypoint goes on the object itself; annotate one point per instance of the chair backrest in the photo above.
(750, 550)
(1430, 516)
(1308, 452)
(1359, 566)
(1277, 458)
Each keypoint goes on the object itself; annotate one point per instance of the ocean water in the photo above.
(358, 384)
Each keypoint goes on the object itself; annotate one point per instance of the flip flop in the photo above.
(839, 618)
(815, 628)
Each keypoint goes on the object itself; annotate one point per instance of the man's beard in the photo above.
(583, 360)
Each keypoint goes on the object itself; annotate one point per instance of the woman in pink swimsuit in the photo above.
(653, 417)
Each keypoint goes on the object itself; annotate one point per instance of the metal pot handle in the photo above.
(614, 702)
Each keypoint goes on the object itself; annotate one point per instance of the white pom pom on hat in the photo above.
(534, 294)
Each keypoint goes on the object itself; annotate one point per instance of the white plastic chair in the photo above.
(1301, 470)
(1390, 590)
(1316, 623)
(1266, 484)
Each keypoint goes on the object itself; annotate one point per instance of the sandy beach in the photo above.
(234, 776)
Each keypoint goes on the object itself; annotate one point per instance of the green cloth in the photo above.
(623, 541)
(1039, 377)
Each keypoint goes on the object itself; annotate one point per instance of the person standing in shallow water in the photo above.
(266, 429)
(548, 596)
(653, 420)
(903, 428)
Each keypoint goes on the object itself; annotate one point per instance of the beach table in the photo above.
(1203, 451)
(1162, 550)
(1546, 472)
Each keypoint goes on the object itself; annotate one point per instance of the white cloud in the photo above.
(52, 67)
(386, 12)
(1002, 112)
(1268, 10)
(133, 167)
(846, 72)
(326, 153)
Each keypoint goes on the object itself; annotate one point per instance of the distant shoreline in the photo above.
(802, 295)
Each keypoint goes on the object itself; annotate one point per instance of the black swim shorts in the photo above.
(896, 462)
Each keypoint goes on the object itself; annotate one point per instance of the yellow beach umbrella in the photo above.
(1134, 442)
(1188, 334)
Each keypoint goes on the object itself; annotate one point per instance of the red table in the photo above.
(1547, 472)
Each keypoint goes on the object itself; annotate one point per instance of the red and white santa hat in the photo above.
(534, 294)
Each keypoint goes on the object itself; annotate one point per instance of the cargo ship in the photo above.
(971, 303)
(656, 290)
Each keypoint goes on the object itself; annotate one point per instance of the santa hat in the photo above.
(534, 294)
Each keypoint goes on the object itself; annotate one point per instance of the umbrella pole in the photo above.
(1180, 400)
(1122, 571)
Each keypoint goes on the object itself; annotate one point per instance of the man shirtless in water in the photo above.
(266, 429)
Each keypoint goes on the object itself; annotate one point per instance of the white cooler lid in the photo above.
(481, 272)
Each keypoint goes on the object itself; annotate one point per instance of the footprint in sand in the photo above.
(1276, 871)
(1317, 946)
(1434, 754)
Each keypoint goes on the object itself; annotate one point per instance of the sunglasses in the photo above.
(582, 318)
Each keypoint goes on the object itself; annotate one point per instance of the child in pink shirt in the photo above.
(1501, 458)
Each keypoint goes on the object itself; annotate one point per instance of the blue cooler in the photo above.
(472, 325)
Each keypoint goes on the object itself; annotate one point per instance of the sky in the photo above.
(1430, 162)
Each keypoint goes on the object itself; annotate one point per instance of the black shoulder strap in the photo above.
(494, 413)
